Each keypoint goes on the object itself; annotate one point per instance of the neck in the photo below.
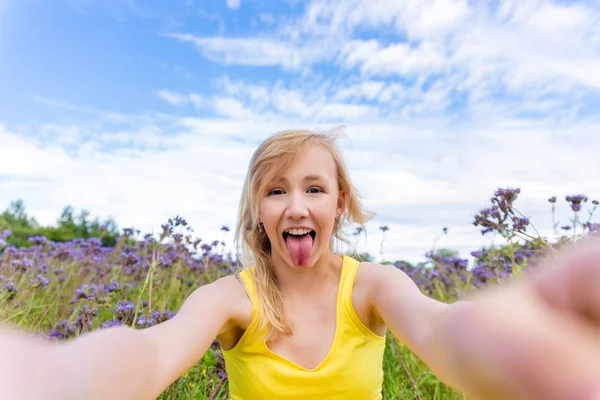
(302, 281)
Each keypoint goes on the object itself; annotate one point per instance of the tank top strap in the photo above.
(246, 276)
(348, 279)
(349, 268)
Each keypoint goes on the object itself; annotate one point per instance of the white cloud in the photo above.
(230, 107)
(368, 90)
(398, 58)
(529, 48)
(415, 18)
(277, 102)
(255, 51)
(178, 99)
(173, 98)
(233, 4)
(197, 100)
(267, 19)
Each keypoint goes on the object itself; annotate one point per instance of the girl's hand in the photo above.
(538, 339)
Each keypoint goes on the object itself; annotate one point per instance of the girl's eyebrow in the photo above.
(308, 178)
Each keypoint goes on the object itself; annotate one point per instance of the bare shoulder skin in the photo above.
(241, 315)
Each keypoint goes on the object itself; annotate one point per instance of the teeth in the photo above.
(298, 231)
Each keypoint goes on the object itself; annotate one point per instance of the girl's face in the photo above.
(305, 199)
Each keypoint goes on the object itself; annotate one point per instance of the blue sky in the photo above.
(107, 54)
(147, 109)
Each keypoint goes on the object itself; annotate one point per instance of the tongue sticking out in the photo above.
(300, 248)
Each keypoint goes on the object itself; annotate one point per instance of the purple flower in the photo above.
(145, 322)
(124, 306)
(206, 247)
(115, 286)
(520, 224)
(55, 334)
(481, 274)
(38, 240)
(130, 259)
(39, 280)
(519, 258)
(478, 254)
(124, 312)
(576, 201)
(11, 287)
(86, 291)
(504, 198)
(110, 324)
(161, 316)
(434, 274)
(94, 241)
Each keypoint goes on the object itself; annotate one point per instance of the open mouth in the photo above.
(312, 234)
(300, 245)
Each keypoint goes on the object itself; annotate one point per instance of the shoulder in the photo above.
(223, 287)
(383, 284)
(374, 284)
(237, 300)
(227, 294)
(223, 300)
(378, 276)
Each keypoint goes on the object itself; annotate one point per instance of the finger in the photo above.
(571, 282)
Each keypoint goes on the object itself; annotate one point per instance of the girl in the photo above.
(303, 322)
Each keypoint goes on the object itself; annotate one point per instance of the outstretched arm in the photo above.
(411, 316)
(120, 362)
(532, 339)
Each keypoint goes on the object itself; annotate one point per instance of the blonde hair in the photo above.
(272, 157)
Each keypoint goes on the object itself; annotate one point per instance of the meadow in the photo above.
(62, 289)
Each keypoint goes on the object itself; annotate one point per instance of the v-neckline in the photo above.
(336, 333)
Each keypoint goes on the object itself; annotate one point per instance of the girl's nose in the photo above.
(296, 207)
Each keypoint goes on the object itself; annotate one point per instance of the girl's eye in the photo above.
(312, 190)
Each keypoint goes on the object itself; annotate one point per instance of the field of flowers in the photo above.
(64, 289)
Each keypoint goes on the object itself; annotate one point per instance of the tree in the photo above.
(69, 226)
(16, 216)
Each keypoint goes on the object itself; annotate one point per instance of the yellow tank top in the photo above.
(352, 370)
